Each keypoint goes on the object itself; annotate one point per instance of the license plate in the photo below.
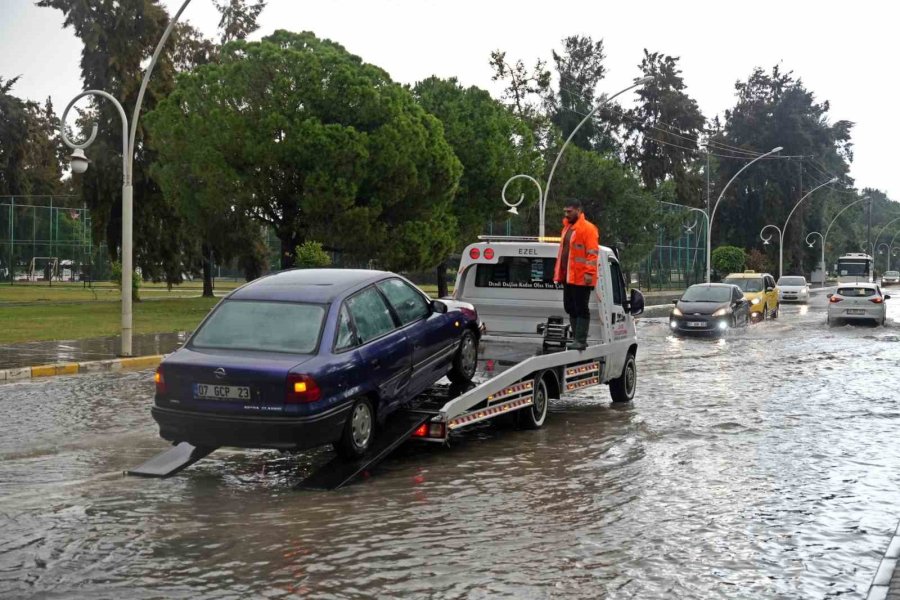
(855, 311)
(696, 324)
(209, 391)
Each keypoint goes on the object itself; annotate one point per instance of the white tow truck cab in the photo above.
(510, 283)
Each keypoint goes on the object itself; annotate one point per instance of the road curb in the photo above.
(73, 368)
(887, 578)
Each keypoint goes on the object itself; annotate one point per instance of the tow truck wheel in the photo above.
(622, 388)
(465, 360)
(534, 416)
(357, 435)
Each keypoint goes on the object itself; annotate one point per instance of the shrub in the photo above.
(311, 255)
(728, 259)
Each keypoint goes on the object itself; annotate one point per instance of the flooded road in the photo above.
(764, 465)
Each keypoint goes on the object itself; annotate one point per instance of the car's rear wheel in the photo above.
(358, 430)
(623, 387)
(534, 416)
(465, 360)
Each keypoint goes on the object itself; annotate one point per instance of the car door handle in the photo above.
(375, 363)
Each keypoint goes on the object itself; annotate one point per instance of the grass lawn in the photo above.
(101, 290)
(43, 321)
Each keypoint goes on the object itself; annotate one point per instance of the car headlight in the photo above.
(755, 301)
(677, 312)
(721, 312)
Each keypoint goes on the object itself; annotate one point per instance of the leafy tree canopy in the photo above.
(309, 139)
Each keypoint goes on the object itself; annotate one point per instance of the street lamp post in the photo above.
(878, 235)
(786, 221)
(766, 240)
(692, 209)
(542, 198)
(712, 215)
(79, 164)
(811, 244)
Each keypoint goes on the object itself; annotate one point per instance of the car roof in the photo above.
(745, 275)
(728, 285)
(318, 286)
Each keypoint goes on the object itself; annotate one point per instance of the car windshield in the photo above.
(261, 325)
(705, 293)
(856, 292)
(792, 281)
(747, 284)
(892, 274)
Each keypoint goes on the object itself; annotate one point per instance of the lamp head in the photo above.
(778, 149)
(645, 80)
(833, 180)
(78, 161)
(811, 245)
(513, 210)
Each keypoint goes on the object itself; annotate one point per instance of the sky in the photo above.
(841, 50)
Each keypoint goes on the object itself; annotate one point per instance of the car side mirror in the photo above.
(887, 297)
(636, 303)
(675, 301)
(438, 307)
(770, 289)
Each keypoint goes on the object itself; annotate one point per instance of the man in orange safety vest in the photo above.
(576, 269)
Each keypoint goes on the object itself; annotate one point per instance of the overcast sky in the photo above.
(836, 47)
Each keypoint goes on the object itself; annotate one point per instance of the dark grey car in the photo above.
(709, 309)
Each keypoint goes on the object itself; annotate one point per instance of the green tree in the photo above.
(728, 259)
(663, 128)
(775, 109)
(311, 255)
(307, 138)
(491, 143)
(239, 18)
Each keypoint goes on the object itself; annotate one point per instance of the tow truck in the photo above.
(523, 360)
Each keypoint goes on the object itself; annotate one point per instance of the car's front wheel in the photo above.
(358, 430)
(465, 360)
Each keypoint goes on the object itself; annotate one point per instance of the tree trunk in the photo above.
(289, 242)
(442, 280)
(207, 273)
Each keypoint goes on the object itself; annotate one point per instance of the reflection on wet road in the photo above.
(764, 465)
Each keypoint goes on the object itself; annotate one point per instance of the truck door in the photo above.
(618, 318)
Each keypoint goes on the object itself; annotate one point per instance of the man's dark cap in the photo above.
(573, 203)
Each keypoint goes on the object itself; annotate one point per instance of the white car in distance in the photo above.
(857, 302)
(890, 278)
(793, 288)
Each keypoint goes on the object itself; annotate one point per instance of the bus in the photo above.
(855, 267)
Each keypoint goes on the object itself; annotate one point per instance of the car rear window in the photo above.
(798, 281)
(855, 292)
(518, 272)
(259, 325)
(747, 284)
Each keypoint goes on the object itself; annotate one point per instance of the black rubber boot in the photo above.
(581, 331)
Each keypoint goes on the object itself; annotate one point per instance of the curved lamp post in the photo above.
(812, 244)
(786, 221)
(712, 214)
(542, 199)
(766, 240)
(875, 242)
(79, 163)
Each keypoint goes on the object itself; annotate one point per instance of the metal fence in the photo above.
(48, 238)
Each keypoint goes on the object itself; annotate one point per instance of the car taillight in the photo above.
(876, 300)
(159, 380)
(488, 253)
(474, 253)
(300, 389)
(834, 299)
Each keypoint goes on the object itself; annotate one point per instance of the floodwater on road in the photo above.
(763, 465)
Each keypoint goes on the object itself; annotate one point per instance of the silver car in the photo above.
(890, 278)
(856, 302)
(793, 288)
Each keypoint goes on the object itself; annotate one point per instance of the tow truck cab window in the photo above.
(370, 314)
(517, 272)
(408, 303)
(618, 284)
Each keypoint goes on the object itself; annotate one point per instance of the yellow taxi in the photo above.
(760, 291)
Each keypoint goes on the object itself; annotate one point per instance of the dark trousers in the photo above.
(576, 299)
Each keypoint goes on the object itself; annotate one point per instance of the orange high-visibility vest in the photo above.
(584, 253)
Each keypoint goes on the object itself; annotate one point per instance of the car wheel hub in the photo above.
(361, 425)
